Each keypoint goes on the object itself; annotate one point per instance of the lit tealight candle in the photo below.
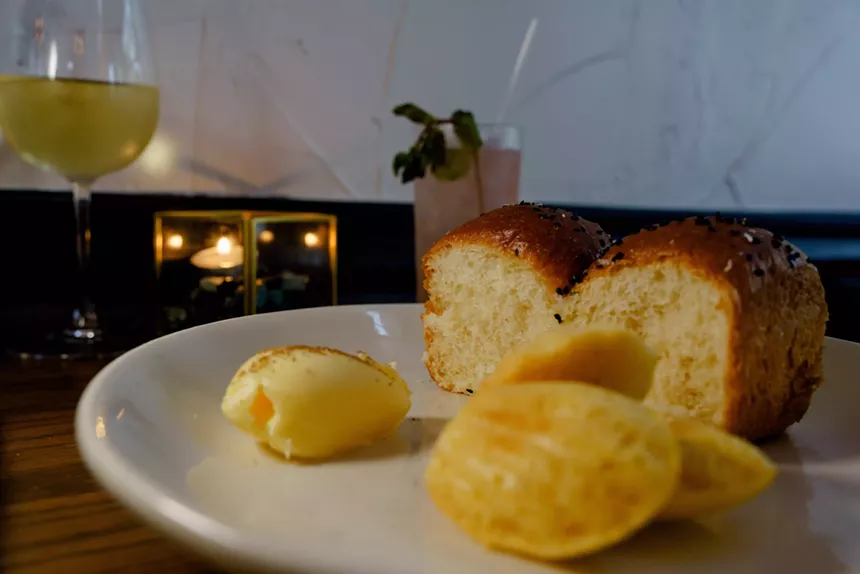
(224, 255)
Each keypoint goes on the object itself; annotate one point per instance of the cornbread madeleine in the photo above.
(552, 470)
(736, 314)
(315, 402)
(497, 281)
(719, 471)
(611, 358)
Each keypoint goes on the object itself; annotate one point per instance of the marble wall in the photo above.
(750, 104)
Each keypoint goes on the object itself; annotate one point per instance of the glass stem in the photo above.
(85, 314)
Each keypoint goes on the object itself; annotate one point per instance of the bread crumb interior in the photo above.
(487, 303)
(681, 316)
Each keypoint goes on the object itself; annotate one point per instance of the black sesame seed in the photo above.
(758, 272)
(557, 318)
(617, 257)
(566, 289)
(470, 391)
(517, 251)
(602, 242)
(756, 240)
(559, 290)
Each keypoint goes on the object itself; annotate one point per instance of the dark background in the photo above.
(376, 260)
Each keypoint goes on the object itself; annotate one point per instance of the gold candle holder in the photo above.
(213, 265)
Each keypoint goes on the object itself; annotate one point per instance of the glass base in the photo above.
(68, 345)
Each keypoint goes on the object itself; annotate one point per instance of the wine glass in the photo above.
(78, 97)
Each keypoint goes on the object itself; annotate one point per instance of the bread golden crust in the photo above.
(557, 244)
(777, 313)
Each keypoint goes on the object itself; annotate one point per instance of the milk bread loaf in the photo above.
(497, 281)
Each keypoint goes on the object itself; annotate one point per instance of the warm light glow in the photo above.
(159, 156)
(174, 241)
(266, 236)
(224, 246)
(100, 428)
(312, 239)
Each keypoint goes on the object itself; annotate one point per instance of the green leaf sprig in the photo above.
(430, 150)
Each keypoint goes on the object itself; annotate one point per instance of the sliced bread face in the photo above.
(684, 318)
(483, 303)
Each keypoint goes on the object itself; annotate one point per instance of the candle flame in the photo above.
(175, 241)
(312, 239)
(224, 246)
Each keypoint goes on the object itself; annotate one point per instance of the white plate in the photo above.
(150, 429)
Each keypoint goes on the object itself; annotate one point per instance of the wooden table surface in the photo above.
(55, 516)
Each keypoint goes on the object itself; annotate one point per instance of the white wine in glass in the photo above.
(77, 97)
(81, 129)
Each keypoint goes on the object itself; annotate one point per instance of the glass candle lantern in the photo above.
(213, 265)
